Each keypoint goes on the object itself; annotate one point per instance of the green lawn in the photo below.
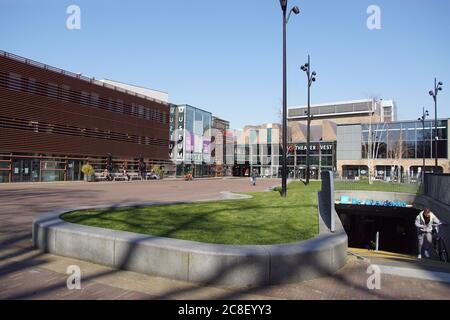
(264, 219)
(377, 186)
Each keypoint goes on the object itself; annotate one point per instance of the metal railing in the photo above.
(385, 186)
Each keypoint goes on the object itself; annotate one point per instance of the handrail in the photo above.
(77, 76)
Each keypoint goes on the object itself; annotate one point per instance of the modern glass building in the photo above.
(322, 158)
(392, 150)
(257, 147)
(190, 140)
(260, 148)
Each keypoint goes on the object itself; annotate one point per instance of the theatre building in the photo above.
(53, 121)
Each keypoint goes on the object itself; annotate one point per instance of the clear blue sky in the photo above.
(225, 56)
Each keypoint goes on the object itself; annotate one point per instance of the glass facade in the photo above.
(266, 159)
(322, 158)
(405, 140)
(40, 168)
(193, 145)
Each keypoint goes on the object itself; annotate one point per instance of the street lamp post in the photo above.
(434, 94)
(425, 114)
(311, 78)
(295, 10)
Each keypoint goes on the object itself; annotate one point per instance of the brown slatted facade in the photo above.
(46, 112)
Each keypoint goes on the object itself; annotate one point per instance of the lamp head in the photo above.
(440, 83)
(314, 74)
(313, 79)
(431, 93)
(296, 10)
(440, 88)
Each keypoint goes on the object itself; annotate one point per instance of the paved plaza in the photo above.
(26, 273)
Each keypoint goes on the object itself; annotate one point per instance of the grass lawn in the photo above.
(264, 219)
(377, 186)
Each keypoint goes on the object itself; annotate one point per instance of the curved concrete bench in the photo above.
(192, 261)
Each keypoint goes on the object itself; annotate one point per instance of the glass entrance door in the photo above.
(35, 170)
(314, 173)
(21, 170)
(74, 170)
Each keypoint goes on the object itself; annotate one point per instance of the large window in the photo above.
(405, 140)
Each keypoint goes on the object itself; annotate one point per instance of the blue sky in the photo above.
(225, 56)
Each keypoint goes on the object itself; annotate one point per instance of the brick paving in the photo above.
(27, 274)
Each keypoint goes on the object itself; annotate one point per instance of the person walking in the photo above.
(254, 175)
(424, 224)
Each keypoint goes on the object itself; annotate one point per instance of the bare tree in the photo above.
(397, 152)
(375, 138)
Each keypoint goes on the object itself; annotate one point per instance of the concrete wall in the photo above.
(437, 186)
(349, 147)
(192, 261)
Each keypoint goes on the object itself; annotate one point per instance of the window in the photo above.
(380, 150)
(409, 149)
(198, 122)
(94, 99)
(84, 97)
(442, 133)
(34, 125)
(133, 109)
(65, 93)
(206, 122)
(420, 146)
(141, 111)
(111, 105)
(14, 81)
(441, 149)
(410, 131)
(52, 90)
(50, 128)
(120, 106)
(31, 88)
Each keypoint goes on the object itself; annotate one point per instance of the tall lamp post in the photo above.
(311, 78)
(295, 10)
(425, 114)
(434, 94)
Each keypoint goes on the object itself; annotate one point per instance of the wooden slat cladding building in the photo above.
(49, 112)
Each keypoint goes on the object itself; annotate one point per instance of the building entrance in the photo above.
(25, 170)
